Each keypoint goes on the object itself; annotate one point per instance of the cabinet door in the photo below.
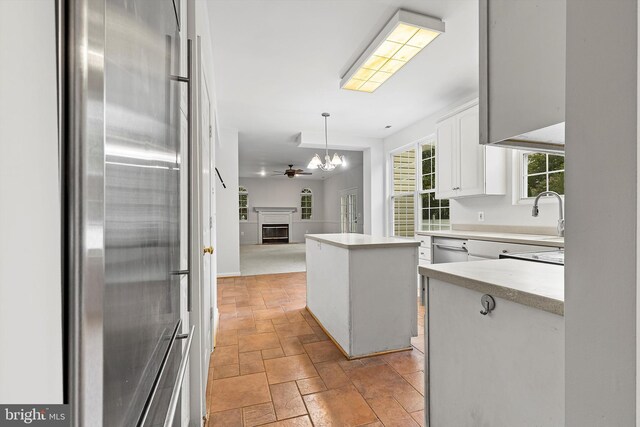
(446, 165)
(471, 154)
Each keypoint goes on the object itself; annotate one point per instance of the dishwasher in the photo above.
(449, 250)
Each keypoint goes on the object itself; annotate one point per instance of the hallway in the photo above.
(273, 365)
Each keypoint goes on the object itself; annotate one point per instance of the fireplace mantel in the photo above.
(274, 215)
(275, 209)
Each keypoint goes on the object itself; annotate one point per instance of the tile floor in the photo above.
(274, 366)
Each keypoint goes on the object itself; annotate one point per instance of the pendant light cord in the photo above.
(326, 138)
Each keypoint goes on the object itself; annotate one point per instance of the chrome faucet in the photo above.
(535, 210)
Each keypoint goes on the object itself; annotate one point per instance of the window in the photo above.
(434, 212)
(306, 203)
(243, 198)
(404, 192)
(414, 190)
(542, 172)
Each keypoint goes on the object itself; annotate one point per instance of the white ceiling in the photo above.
(278, 65)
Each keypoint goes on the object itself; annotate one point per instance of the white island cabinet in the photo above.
(504, 368)
(362, 291)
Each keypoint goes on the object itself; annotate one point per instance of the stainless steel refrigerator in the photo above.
(121, 151)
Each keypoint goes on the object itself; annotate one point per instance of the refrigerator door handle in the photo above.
(188, 81)
(175, 394)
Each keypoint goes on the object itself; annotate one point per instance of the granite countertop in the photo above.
(534, 284)
(492, 236)
(354, 240)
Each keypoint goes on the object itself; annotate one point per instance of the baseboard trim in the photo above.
(345, 353)
(234, 274)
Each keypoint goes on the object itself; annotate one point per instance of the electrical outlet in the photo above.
(480, 216)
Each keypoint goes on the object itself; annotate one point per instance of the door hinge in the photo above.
(210, 222)
(210, 132)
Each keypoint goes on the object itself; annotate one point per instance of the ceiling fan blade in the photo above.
(299, 170)
(279, 172)
(304, 173)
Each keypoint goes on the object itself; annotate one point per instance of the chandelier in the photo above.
(329, 163)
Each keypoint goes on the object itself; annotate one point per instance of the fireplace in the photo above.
(275, 233)
(275, 224)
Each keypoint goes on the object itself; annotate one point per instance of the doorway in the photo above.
(349, 211)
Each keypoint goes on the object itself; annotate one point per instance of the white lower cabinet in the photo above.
(464, 167)
(501, 370)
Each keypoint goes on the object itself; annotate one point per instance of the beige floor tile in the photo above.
(237, 392)
(332, 375)
(339, 407)
(382, 381)
(311, 385)
(416, 379)
(225, 371)
(405, 362)
(291, 346)
(258, 342)
(323, 351)
(293, 329)
(287, 400)
(289, 368)
(272, 353)
(418, 416)
(230, 418)
(391, 413)
(292, 422)
(225, 355)
(258, 414)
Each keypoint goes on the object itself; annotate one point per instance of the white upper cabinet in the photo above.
(522, 66)
(463, 166)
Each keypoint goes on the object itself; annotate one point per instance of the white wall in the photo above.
(498, 210)
(373, 185)
(333, 187)
(30, 286)
(227, 227)
(601, 272)
(281, 192)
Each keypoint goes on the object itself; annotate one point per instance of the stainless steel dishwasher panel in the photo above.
(449, 250)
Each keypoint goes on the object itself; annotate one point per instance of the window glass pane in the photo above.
(556, 163)
(536, 184)
(403, 216)
(404, 172)
(536, 162)
(444, 214)
(556, 182)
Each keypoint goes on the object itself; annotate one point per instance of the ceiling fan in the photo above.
(291, 172)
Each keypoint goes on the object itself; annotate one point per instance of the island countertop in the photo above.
(359, 241)
(534, 284)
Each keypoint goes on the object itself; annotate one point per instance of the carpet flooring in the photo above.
(272, 259)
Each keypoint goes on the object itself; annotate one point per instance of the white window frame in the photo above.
(417, 193)
(302, 193)
(519, 184)
(430, 140)
(245, 191)
(392, 195)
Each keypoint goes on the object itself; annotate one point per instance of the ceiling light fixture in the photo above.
(329, 163)
(404, 36)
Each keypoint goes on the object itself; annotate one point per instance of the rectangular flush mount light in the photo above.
(404, 36)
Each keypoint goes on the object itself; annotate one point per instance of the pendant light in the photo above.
(329, 163)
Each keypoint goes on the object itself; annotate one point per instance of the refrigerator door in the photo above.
(142, 209)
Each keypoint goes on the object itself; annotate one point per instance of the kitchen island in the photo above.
(503, 368)
(362, 291)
